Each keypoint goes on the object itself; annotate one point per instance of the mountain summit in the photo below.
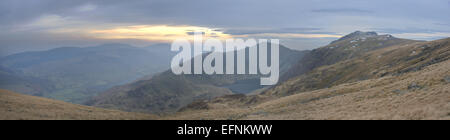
(357, 35)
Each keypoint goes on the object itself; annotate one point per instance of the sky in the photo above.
(299, 24)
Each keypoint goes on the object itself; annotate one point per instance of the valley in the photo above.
(166, 93)
(75, 74)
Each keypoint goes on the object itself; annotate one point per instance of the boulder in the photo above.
(414, 86)
(447, 79)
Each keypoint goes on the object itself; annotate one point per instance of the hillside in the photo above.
(17, 82)
(75, 74)
(403, 81)
(384, 98)
(14, 106)
(390, 60)
(166, 93)
(348, 47)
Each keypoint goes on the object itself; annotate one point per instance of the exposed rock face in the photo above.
(357, 35)
(447, 79)
(414, 86)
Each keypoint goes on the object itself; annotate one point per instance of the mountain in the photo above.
(384, 61)
(348, 47)
(166, 93)
(14, 106)
(75, 74)
(161, 49)
(17, 82)
(357, 35)
(403, 80)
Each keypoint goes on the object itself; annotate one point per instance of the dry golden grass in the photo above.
(15, 106)
(386, 98)
(392, 60)
(418, 92)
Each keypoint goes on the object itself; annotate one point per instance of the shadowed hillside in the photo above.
(166, 93)
(75, 74)
(351, 46)
(12, 80)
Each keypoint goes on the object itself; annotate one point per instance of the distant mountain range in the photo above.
(74, 74)
(166, 93)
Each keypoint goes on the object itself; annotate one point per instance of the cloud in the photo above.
(342, 10)
(194, 32)
(409, 30)
(291, 35)
(271, 30)
(75, 20)
(416, 33)
(87, 8)
(424, 36)
(443, 24)
(159, 33)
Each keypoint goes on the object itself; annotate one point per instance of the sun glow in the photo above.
(157, 33)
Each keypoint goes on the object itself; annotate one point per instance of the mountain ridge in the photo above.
(76, 73)
(166, 93)
(343, 49)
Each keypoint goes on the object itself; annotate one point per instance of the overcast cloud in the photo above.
(43, 24)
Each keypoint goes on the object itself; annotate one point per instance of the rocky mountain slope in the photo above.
(388, 60)
(350, 46)
(403, 80)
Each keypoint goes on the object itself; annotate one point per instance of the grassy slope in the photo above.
(164, 93)
(14, 106)
(384, 98)
(404, 82)
(392, 60)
